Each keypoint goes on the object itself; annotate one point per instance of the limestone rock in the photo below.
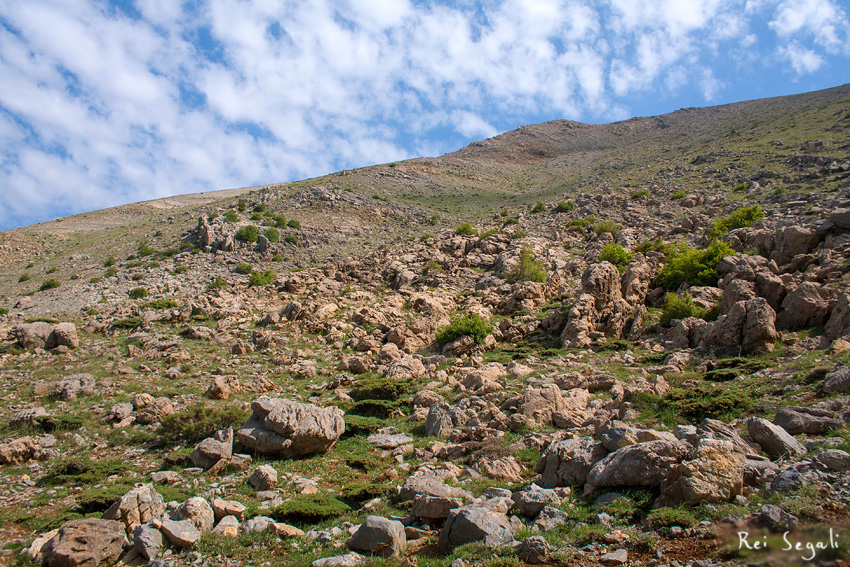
(643, 464)
(18, 450)
(535, 550)
(775, 441)
(379, 536)
(138, 506)
(33, 335)
(532, 499)
(837, 381)
(714, 473)
(796, 420)
(180, 533)
(86, 543)
(70, 387)
(148, 541)
(476, 522)
(64, 334)
(264, 477)
(228, 526)
(291, 429)
(213, 449)
(806, 306)
(568, 462)
(198, 511)
(433, 507)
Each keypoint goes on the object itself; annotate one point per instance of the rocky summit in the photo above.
(571, 344)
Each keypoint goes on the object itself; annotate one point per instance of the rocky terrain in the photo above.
(622, 344)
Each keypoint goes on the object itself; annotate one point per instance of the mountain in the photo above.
(611, 342)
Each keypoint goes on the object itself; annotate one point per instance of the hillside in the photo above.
(568, 344)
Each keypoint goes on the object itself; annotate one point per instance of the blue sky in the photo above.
(108, 102)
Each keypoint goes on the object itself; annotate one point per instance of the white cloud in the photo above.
(91, 112)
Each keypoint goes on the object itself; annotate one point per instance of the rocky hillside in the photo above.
(567, 345)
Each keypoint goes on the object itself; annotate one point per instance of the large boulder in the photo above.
(792, 241)
(64, 334)
(749, 326)
(213, 449)
(431, 483)
(198, 511)
(714, 473)
(642, 464)
(838, 324)
(33, 335)
(290, 429)
(138, 506)
(86, 543)
(568, 462)
(837, 381)
(379, 536)
(70, 387)
(599, 308)
(19, 450)
(796, 420)
(806, 306)
(775, 441)
(477, 522)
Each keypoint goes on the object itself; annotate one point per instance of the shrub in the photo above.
(128, 323)
(539, 207)
(145, 250)
(676, 307)
(25, 277)
(616, 254)
(466, 229)
(53, 270)
(49, 284)
(518, 234)
(390, 389)
(739, 218)
(137, 277)
(217, 283)
(277, 258)
(360, 425)
(656, 245)
(565, 207)
(528, 269)
(199, 422)
(432, 265)
(258, 279)
(697, 267)
(248, 233)
(241, 205)
(160, 304)
(138, 293)
(4, 311)
(310, 509)
(640, 194)
(213, 216)
(606, 226)
(581, 224)
(256, 217)
(230, 216)
(109, 262)
(470, 324)
(291, 239)
(261, 208)
(243, 268)
(678, 195)
(272, 235)
(292, 223)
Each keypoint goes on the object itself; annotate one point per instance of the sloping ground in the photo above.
(665, 400)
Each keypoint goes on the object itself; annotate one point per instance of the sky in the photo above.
(105, 102)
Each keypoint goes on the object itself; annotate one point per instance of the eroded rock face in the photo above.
(806, 306)
(599, 308)
(775, 441)
(86, 543)
(290, 429)
(70, 387)
(714, 473)
(138, 506)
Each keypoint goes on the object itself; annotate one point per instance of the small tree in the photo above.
(248, 233)
(565, 207)
(616, 254)
(471, 325)
(272, 235)
(539, 207)
(466, 229)
(528, 270)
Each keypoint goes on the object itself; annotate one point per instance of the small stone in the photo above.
(619, 557)
(264, 477)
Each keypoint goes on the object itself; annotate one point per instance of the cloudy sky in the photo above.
(105, 102)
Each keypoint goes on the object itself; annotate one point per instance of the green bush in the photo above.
(217, 283)
(145, 250)
(138, 293)
(49, 284)
(640, 194)
(110, 272)
(160, 304)
(606, 226)
(258, 279)
(360, 425)
(4, 311)
(310, 509)
(109, 262)
(676, 307)
(528, 269)
(261, 208)
(381, 409)
(25, 277)
(248, 233)
(539, 207)
(581, 224)
(470, 324)
(656, 245)
(199, 422)
(697, 267)
(739, 218)
(230, 216)
(518, 234)
(466, 229)
(565, 207)
(137, 277)
(294, 224)
(241, 205)
(432, 265)
(389, 389)
(678, 195)
(128, 323)
(291, 239)
(256, 217)
(243, 268)
(272, 235)
(616, 254)
(277, 258)
(53, 270)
